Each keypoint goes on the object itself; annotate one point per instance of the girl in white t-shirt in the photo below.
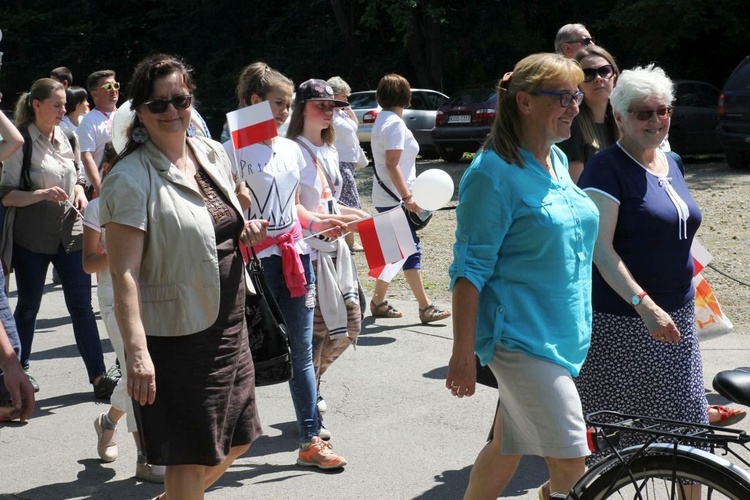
(394, 152)
(271, 170)
(95, 261)
(338, 317)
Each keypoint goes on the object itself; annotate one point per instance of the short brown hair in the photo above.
(62, 75)
(393, 91)
(93, 79)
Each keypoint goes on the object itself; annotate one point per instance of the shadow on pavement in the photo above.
(66, 351)
(92, 482)
(531, 473)
(437, 373)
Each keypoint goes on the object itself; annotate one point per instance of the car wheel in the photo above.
(451, 156)
(736, 159)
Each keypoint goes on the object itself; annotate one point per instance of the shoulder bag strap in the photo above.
(317, 167)
(382, 184)
(25, 180)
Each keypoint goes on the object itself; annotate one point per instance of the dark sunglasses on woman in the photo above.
(604, 72)
(157, 106)
(645, 114)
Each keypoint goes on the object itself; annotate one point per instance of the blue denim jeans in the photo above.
(6, 317)
(31, 273)
(298, 315)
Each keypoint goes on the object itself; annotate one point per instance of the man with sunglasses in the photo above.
(571, 38)
(96, 127)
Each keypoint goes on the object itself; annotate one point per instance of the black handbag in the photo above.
(266, 331)
(416, 221)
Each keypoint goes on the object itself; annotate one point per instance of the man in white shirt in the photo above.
(96, 127)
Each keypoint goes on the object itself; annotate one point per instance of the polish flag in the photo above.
(251, 125)
(701, 257)
(386, 238)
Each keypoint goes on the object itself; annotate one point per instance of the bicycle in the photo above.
(672, 459)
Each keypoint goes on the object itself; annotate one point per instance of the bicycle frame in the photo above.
(683, 437)
(628, 455)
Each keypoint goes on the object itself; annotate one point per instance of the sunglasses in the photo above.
(111, 86)
(157, 106)
(566, 98)
(605, 72)
(585, 41)
(645, 114)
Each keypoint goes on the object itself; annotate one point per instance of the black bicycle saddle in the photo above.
(734, 385)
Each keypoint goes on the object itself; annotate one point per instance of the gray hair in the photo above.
(639, 84)
(565, 34)
(339, 86)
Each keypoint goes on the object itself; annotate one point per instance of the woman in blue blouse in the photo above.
(645, 357)
(522, 275)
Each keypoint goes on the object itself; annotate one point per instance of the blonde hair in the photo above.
(259, 78)
(530, 75)
(40, 90)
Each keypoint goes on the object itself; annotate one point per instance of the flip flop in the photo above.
(727, 416)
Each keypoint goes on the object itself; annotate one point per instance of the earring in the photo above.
(191, 130)
(140, 134)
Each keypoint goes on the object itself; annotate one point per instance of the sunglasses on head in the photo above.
(605, 72)
(645, 114)
(157, 106)
(111, 86)
(585, 41)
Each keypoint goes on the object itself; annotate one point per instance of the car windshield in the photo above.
(740, 80)
(475, 96)
(366, 100)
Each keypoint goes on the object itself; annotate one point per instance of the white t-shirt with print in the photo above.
(272, 173)
(320, 188)
(94, 132)
(389, 132)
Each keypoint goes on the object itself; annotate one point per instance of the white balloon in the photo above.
(433, 189)
(121, 120)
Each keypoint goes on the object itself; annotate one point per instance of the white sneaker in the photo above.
(324, 433)
(150, 473)
(322, 406)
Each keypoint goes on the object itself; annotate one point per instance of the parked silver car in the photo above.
(419, 117)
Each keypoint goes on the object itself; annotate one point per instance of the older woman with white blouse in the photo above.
(347, 144)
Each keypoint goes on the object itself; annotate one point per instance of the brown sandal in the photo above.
(432, 313)
(384, 310)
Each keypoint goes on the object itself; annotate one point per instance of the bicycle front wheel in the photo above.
(668, 477)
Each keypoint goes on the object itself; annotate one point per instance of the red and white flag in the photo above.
(386, 238)
(701, 257)
(251, 125)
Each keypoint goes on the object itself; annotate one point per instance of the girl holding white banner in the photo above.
(271, 169)
(338, 317)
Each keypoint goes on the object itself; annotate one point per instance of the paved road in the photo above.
(403, 436)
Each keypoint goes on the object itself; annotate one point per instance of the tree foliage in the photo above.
(438, 44)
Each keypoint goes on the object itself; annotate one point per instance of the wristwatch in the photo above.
(636, 299)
